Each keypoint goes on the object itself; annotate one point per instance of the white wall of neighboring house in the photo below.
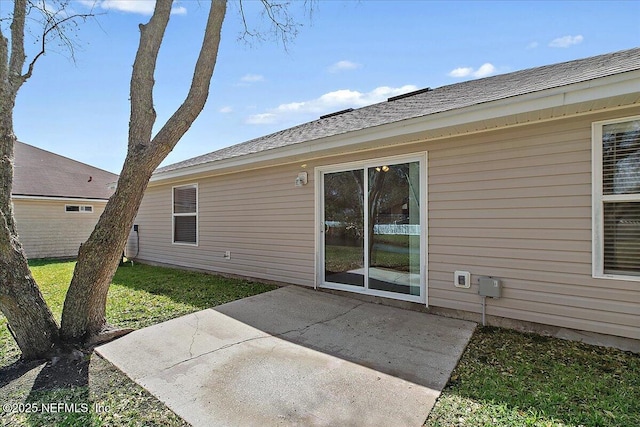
(47, 230)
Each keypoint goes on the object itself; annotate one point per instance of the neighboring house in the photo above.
(57, 201)
(530, 177)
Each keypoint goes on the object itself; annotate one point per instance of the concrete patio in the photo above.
(295, 356)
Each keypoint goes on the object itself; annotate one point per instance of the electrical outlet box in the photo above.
(462, 279)
(489, 287)
(135, 227)
(227, 255)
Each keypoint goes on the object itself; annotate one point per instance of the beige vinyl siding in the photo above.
(46, 230)
(259, 216)
(512, 203)
(517, 206)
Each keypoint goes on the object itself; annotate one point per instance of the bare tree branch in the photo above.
(53, 25)
(17, 57)
(4, 64)
(282, 26)
(186, 114)
(143, 115)
(244, 20)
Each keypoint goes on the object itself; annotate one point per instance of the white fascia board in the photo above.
(58, 199)
(583, 92)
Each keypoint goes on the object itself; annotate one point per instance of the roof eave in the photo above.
(578, 93)
(59, 198)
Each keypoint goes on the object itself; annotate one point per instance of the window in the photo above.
(616, 198)
(78, 208)
(185, 214)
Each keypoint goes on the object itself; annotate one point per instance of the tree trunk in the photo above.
(84, 312)
(30, 320)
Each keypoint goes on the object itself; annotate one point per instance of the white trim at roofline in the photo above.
(59, 199)
(584, 92)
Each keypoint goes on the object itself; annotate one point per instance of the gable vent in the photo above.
(408, 94)
(337, 113)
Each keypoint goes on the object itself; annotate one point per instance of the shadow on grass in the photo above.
(45, 393)
(67, 371)
(16, 370)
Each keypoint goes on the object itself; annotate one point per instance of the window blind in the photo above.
(621, 197)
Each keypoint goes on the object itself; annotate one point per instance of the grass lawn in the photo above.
(141, 295)
(504, 378)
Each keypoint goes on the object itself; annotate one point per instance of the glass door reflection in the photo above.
(372, 228)
(344, 227)
(394, 228)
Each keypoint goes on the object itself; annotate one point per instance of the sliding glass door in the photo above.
(373, 239)
(344, 227)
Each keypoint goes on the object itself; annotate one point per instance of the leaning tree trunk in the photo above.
(84, 307)
(84, 312)
(30, 319)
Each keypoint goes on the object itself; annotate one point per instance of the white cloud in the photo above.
(343, 66)
(339, 99)
(261, 119)
(485, 70)
(143, 7)
(461, 72)
(88, 3)
(566, 41)
(533, 45)
(225, 110)
(252, 78)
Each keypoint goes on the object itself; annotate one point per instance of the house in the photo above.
(516, 195)
(57, 201)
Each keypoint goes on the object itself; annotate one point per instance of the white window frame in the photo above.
(174, 215)
(83, 209)
(598, 200)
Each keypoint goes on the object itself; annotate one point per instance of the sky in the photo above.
(345, 55)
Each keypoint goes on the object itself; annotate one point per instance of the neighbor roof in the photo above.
(426, 102)
(41, 173)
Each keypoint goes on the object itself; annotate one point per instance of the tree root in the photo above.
(107, 334)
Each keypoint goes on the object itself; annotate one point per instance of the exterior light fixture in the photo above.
(301, 179)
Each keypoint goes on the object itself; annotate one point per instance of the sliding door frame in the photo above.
(320, 171)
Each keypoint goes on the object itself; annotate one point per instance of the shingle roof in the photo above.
(41, 173)
(424, 103)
